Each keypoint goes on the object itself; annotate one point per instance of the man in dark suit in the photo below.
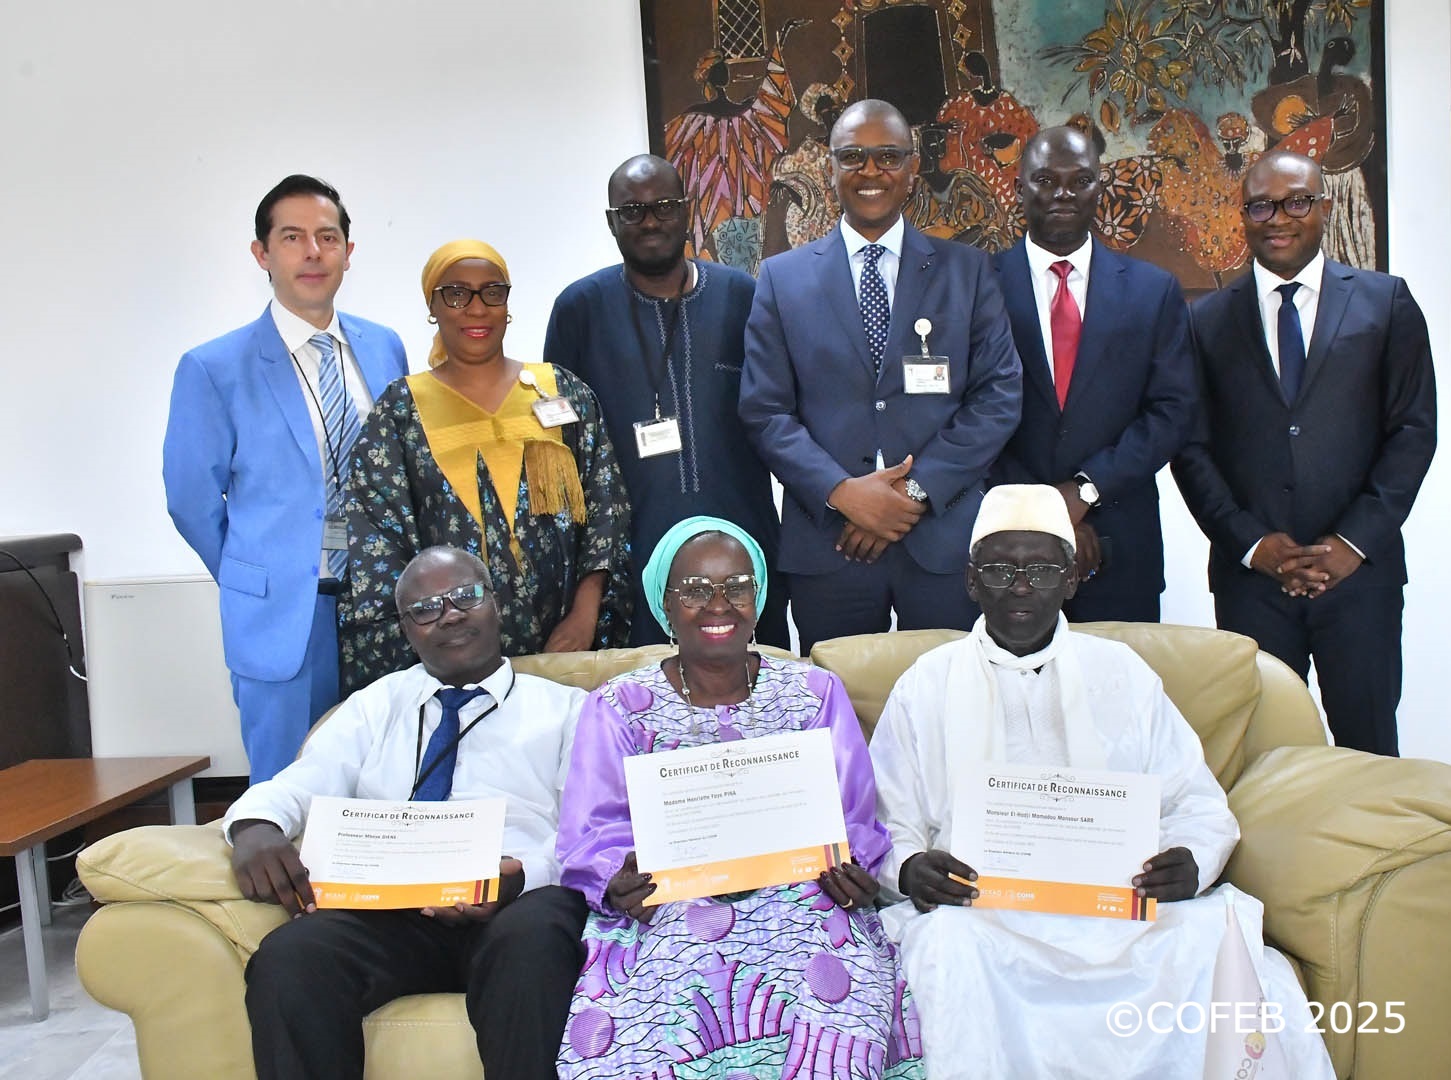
(1318, 426)
(880, 384)
(1108, 379)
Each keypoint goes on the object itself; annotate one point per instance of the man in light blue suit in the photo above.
(255, 462)
(880, 384)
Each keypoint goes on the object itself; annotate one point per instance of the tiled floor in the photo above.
(80, 1040)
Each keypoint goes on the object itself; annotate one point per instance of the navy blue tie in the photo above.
(1292, 342)
(876, 315)
(437, 785)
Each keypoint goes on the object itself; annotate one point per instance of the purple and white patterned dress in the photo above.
(778, 983)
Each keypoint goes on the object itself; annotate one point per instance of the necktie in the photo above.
(437, 785)
(1292, 342)
(1066, 325)
(340, 427)
(876, 315)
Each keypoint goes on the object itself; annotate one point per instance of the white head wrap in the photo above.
(1023, 508)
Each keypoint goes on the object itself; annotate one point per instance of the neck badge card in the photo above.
(735, 816)
(375, 854)
(1057, 839)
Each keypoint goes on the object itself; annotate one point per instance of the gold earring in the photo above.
(508, 319)
(432, 319)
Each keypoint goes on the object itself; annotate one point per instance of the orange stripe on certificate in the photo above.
(333, 894)
(1063, 898)
(739, 875)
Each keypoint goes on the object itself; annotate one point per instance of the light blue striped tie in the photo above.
(340, 426)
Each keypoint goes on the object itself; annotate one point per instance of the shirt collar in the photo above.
(1040, 259)
(296, 331)
(891, 239)
(497, 685)
(1310, 275)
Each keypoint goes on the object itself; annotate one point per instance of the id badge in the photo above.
(553, 412)
(926, 374)
(335, 534)
(656, 437)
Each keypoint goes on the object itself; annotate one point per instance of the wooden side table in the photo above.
(41, 799)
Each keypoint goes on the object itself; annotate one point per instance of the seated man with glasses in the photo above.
(843, 394)
(1024, 993)
(460, 723)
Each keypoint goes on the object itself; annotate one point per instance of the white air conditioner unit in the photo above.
(158, 683)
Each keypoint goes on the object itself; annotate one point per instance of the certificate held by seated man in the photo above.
(727, 817)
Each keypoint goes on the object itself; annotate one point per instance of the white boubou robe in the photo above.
(1024, 994)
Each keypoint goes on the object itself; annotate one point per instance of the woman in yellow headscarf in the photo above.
(505, 459)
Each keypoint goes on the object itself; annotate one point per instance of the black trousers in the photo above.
(860, 598)
(1353, 632)
(313, 980)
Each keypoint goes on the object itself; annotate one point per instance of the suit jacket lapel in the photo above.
(1022, 305)
(1246, 305)
(835, 277)
(1107, 281)
(914, 269)
(376, 372)
(1336, 286)
(281, 377)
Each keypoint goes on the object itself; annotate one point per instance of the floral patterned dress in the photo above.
(399, 502)
(780, 982)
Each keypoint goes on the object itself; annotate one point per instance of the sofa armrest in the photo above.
(189, 865)
(1331, 841)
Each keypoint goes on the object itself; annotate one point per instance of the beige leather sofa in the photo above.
(1351, 855)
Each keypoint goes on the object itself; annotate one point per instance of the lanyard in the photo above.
(327, 436)
(659, 369)
(418, 754)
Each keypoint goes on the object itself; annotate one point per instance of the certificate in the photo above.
(369, 853)
(734, 816)
(1057, 839)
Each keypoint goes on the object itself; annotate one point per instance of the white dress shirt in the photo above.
(1307, 302)
(370, 749)
(296, 334)
(888, 263)
(1045, 287)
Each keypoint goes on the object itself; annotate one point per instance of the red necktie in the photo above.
(1067, 326)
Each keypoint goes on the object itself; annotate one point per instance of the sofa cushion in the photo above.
(588, 670)
(1210, 675)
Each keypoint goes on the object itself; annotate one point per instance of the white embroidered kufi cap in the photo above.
(1023, 508)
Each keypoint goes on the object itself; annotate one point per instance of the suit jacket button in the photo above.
(1294, 430)
(881, 406)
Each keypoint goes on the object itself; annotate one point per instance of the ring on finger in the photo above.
(851, 903)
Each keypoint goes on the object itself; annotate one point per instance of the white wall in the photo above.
(138, 138)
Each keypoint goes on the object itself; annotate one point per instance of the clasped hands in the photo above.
(269, 870)
(934, 877)
(1307, 570)
(877, 509)
(848, 886)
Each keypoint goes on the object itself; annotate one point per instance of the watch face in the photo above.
(1088, 492)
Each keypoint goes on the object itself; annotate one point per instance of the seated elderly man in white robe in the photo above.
(1027, 994)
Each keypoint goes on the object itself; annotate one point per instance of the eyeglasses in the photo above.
(1296, 206)
(1040, 575)
(460, 296)
(431, 608)
(663, 210)
(887, 158)
(696, 592)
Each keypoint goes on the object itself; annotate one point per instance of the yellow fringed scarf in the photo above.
(509, 442)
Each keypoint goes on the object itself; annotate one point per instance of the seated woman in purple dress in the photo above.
(790, 981)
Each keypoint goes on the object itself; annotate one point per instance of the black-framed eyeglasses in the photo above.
(461, 296)
(1296, 206)
(1040, 575)
(431, 608)
(663, 210)
(696, 592)
(887, 158)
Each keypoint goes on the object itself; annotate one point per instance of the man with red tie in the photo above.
(1109, 390)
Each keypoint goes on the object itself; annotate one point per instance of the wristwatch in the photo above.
(1087, 490)
(915, 491)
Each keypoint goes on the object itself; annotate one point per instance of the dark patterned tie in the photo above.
(437, 785)
(1292, 342)
(876, 315)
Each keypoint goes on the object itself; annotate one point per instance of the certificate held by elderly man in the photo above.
(734, 816)
(1057, 838)
(370, 853)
